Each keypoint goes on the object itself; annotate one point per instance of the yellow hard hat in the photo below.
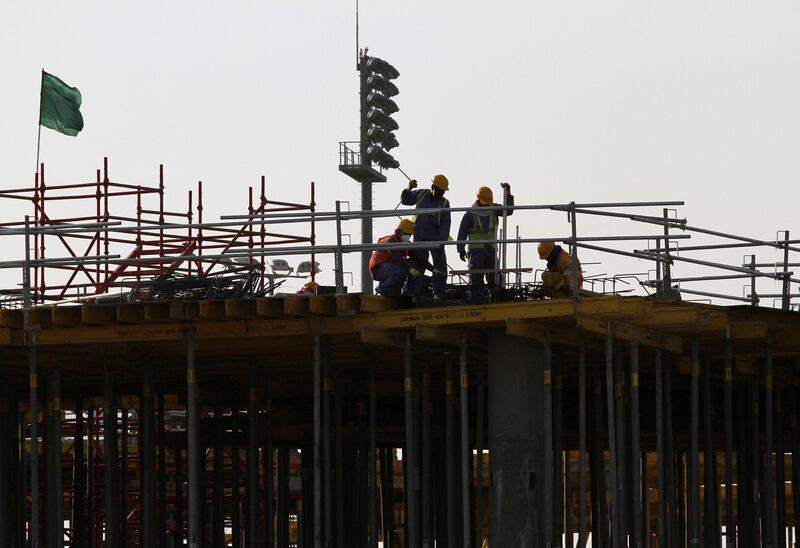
(485, 196)
(405, 226)
(440, 181)
(313, 286)
(545, 249)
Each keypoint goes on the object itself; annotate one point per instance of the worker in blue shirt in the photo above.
(429, 227)
(477, 225)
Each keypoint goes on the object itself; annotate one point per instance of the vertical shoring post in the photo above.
(780, 473)
(769, 468)
(638, 495)
(547, 480)
(78, 523)
(339, 459)
(450, 441)
(147, 460)
(466, 450)
(49, 483)
(269, 482)
(33, 357)
(252, 532)
(111, 502)
(613, 486)
(558, 460)
(581, 448)
(6, 466)
(327, 485)
(427, 541)
(620, 420)
(753, 468)
(694, 460)
(162, 473)
(123, 477)
(317, 449)
(373, 457)
(179, 501)
(730, 527)
(283, 498)
(58, 475)
(218, 523)
(236, 484)
(671, 497)
(597, 464)
(91, 515)
(409, 455)
(795, 465)
(661, 457)
(387, 495)
(479, 427)
(193, 445)
(712, 533)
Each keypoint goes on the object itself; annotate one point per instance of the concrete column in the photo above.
(516, 370)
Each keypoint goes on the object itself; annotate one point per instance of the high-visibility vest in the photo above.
(421, 196)
(478, 232)
(382, 255)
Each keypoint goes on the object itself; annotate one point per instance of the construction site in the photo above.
(161, 387)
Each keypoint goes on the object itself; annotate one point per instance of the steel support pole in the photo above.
(110, 464)
(613, 484)
(694, 460)
(179, 501)
(620, 419)
(427, 541)
(162, 473)
(252, 533)
(327, 467)
(57, 460)
(193, 444)
(636, 518)
(466, 450)
(372, 541)
(795, 465)
(450, 442)
(387, 496)
(769, 468)
(547, 480)
(730, 527)
(282, 530)
(269, 481)
(78, 523)
(600, 509)
(33, 356)
(558, 459)
(148, 450)
(123, 478)
(218, 523)
(581, 448)
(91, 470)
(670, 462)
(236, 483)
(339, 459)
(409, 455)
(780, 473)
(6, 466)
(317, 449)
(479, 427)
(711, 533)
(755, 460)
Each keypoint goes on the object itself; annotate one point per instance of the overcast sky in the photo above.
(586, 101)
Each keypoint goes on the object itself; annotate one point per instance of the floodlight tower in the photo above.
(376, 140)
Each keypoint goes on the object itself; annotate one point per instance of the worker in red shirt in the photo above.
(392, 267)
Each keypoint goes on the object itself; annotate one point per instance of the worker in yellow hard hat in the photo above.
(392, 267)
(429, 227)
(309, 288)
(478, 224)
(557, 279)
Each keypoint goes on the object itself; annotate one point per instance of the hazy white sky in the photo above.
(586, 101)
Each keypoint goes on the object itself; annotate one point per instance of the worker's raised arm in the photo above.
(410, 194)
(509, 202)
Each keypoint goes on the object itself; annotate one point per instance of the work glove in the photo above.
(414, 272)
(412, 184)
(506, 187)
(462, 256)
(437, 272)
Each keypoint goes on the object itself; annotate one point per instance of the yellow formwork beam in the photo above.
(539, 331)
(631, 333)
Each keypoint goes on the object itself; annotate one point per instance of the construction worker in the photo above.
(429, 227)
(557, 279)
(392, 267)
(480, 224)
(309, 288)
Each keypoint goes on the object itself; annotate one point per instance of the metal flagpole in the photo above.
(39, 137)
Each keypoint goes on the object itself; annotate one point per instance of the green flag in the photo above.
(60, 106)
